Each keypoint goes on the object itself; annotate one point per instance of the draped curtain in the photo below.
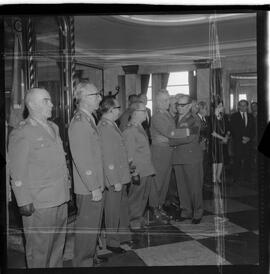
(144, 82)
(18, 86)
(192, 81)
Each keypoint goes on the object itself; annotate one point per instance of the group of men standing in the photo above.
(119, 165)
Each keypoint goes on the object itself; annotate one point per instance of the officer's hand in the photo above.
(27, 210)
(117, 187)
(96, 195)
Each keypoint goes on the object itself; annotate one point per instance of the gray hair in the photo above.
(81, 88)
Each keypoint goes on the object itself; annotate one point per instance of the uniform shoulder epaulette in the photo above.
(104, 123)
(22, 124)
(77, 116)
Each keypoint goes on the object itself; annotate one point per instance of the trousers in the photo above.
(189, 184)
(87, 228)
(45, 232)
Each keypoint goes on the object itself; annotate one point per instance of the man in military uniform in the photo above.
(40, 182)
(117, 175)
(85, 146)
(163, 129)
(187, 160)
(139, 155)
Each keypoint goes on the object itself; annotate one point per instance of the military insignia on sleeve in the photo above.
(172, 133)
(18, 183)
(88, 172)
(111, 167)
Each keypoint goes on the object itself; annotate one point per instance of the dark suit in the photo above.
(242, 152)
(147, 124)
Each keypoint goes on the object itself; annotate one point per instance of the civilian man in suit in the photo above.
(40, 182)
(117, 175)
(147, 122)
(243, 131)
(187, 160)
(163, 129)
(85, 147)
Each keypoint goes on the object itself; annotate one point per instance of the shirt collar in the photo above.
(88, 114)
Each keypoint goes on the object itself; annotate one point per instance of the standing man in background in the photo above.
(243, 131)
(85, 146)
(124, 118)
(40, 182)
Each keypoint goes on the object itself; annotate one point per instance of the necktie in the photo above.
(244, 118)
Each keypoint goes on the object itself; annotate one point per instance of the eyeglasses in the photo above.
(97, 94)
(181, 105)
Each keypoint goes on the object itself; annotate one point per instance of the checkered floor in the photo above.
(231, 240)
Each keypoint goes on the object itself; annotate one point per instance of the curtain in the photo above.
(18, 87)
(192, 81)
(164, 78)
(144, 82)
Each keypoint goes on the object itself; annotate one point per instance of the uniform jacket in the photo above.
(85, 147)
(238, 130)
(124, 118)
(114, 152)
(188, 150)
(163, 129)
(38, 166)
(138, 148)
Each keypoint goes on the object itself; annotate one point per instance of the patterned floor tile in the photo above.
(177, 254)
(130, 258)
(242, 248)
(210, 226)
(247, 219)
(159, 235)
(229, 205)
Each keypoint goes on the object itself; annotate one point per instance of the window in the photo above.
(231, 101)
(149, 94)
(178, 83)
(242, 96)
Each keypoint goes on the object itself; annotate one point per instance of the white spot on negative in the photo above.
(172, 133)
(18, 183)
(88, 172)
(111, 167)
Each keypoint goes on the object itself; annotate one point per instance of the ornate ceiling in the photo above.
(161, 39)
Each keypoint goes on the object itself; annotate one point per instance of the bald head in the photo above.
(38, 102)
(163, 100)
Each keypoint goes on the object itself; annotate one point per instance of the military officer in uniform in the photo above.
(163, 128)
(117, 175)
(187, 160)
(85, 146)
(139, 155)
(40, 182)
